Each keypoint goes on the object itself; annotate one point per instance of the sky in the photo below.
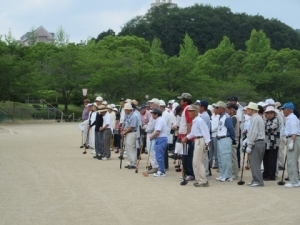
(84, 19)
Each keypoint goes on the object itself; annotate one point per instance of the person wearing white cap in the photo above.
(170, 105)
(255, 144)
(99, 100)
(272, 127)
(292, 132)
(130, 127)
(167, 116)
(150, 129)
(98, 134)
(225, 136)
(112, 123)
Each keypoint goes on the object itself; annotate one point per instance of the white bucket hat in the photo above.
(128, 106)
(162, 103)
(220, 104)
(270, 109)
(155, 101)
(253, 106)
(99, 99)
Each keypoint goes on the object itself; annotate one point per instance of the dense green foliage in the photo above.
(207, 25)
(216, 54)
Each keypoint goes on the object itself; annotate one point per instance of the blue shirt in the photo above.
(228, 124)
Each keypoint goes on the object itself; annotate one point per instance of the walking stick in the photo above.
(282, 182)
(145, 173)
(137, 166)
(121, 152)
(241, 182)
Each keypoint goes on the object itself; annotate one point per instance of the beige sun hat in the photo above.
(102, 108)
(128, 106)
(109, 107)
(193, 108)
(155, 101)
(135, 102)
(162, 103)
(253, 106)
(270, 109)
(220, 104)
(128, 100)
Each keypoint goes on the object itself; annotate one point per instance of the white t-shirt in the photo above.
(107, 120)
(161, 125)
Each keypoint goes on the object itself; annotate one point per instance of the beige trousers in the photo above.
(130, 148)
(198, 161)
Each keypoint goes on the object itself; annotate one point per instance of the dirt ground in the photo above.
(45, 179)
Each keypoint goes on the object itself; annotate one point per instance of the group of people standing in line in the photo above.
(201, 136)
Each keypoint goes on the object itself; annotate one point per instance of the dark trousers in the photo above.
(117, 141)
(238, 152)
(187, 160)
(270, 163)
(144, 140)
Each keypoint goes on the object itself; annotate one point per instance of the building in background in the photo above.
(161, 2)
(38, 35)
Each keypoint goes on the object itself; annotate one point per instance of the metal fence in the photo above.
(17, 113)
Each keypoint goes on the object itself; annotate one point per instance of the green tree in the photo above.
(258, 42)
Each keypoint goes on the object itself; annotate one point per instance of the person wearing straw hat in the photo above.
(255, 144)
(201, 136)
(272, 127)
(106, 133)
(160, 138)
(225, 136)
(130, 127)
(292, 132)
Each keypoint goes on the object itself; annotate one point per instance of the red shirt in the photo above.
(187, 117)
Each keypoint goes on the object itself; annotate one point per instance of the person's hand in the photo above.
(206, 147)
(234, 142)
(151, 138)
(248, 149)
(184, 140)
(123, 133)
(101, 129)
(291, 145)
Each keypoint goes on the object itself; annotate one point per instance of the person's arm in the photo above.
(205, 132)
(158, 128)
(230, 129)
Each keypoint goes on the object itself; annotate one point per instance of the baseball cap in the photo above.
(143, 107)
(288, 105)
(99, 99)
(232, 106)
(122, 99)
(162, 103)
(185, 95)
(220, 104)
(155, 101)
(233, 98)
(156, 111)
(203, 103)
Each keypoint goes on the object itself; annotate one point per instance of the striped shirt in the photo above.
(256, 130)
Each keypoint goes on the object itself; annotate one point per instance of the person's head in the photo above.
(143, 109)
(288, 108)
(109, 108)
(99, 100)
(178, 111)
(154, 103)
(147, 106)
(122, 102)
(203, 104)
(135, 102)
(233, 100)
(185, 98)
(231, 109)
(89, 107)
(270, 112)
(95, 107)
(105, 103)
(170, 104)
(102, 110)
(128, 108)
(162, 105)
(155, 113)
(261, 110)
(268, 102)
(220, 107)
(193, 111)
(252, 108)
(86, 102)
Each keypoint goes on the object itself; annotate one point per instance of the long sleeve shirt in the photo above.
(199, 128)
(256, 130)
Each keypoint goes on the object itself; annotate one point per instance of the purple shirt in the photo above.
(85, 114)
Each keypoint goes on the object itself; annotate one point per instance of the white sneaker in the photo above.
(289, 185)
(208, 177)
(104, 158)
(219, 178)
(159, 174)
(226, 179)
